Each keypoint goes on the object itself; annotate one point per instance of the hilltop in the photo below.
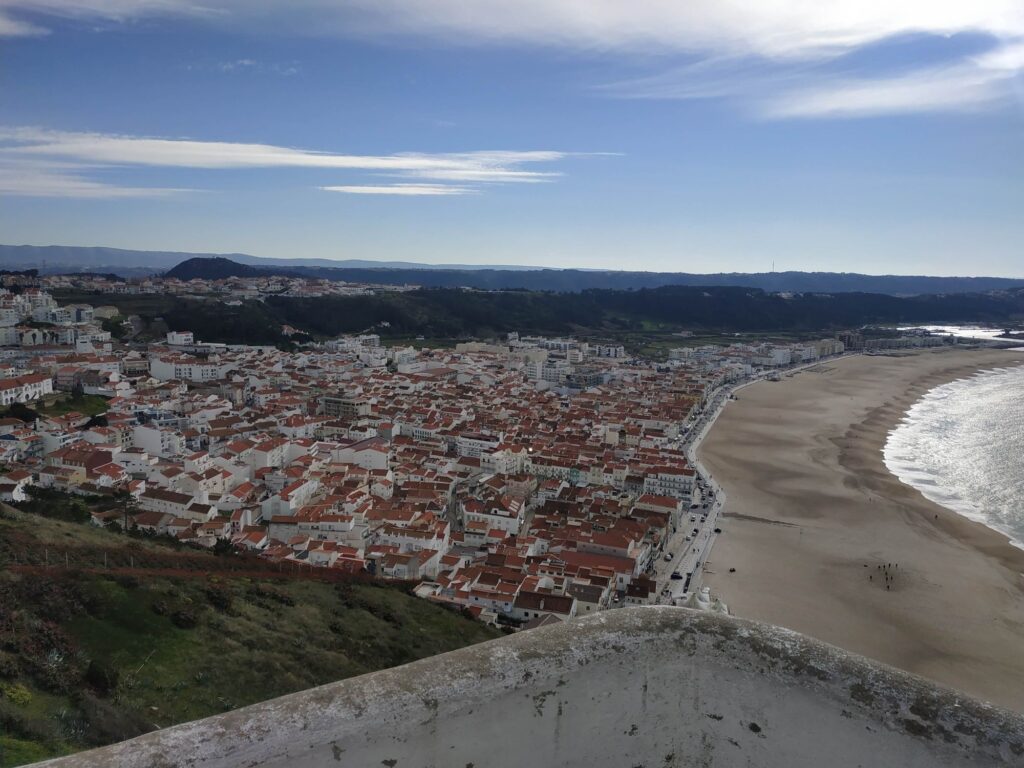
(90, 654)
(216, 268)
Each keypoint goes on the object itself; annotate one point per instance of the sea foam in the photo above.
(962, 446)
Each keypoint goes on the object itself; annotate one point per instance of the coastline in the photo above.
(812, 512)
(901, 462)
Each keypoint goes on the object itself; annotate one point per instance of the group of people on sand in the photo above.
(888, 573)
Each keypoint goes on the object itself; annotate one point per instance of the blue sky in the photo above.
(700, 136)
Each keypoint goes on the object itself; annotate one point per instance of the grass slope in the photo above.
(90, 658)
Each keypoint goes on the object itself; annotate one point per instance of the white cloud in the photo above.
(958, 88)
(787, 90)
(236, 66)
(416, 190)
(777, 28)
(61, 180)
(38, 149)
(761, 53)
(188, 153)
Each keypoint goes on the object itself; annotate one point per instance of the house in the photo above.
(152, 522)
(13, 485)
(24, 389)
(533, 605)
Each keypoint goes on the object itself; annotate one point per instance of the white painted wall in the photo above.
(653, 686)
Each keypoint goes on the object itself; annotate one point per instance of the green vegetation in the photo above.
(571, 280)
(88, 657)
(87, 405)
(645, 314)
(117, 327)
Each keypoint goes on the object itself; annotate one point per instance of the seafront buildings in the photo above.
(525, 479)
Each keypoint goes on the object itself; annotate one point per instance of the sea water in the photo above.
(962, 446)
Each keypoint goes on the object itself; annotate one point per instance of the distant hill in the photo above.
(213, 268)
(63, 259)
(52, 259)
(574, 280)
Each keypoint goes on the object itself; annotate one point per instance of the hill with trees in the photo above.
(465, 313)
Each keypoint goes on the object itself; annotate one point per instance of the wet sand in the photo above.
(812, 512)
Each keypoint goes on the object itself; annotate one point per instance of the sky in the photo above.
(666, 135)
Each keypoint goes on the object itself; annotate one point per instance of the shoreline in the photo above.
(813, 513)
(964, 509)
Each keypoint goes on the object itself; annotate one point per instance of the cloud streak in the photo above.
(805, 90)
(784, 28)
(411, 190)
(38, 151)
(766, 56)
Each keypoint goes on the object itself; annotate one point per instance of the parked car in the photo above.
(676, 576)
(668, 557)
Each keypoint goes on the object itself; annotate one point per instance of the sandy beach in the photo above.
(812, 512)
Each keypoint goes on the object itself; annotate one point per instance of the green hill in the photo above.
(90, 656)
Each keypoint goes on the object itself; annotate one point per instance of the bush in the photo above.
(185, 618)
(9, 667)
(106, 723)
(220, 598)
(102, 677)
(16, 693)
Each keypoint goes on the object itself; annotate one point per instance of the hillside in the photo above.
(575, 280)
(448, 313)
(92, 655)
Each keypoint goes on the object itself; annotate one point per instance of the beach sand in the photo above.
(810, 503)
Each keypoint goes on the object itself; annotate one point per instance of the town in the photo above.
(525, 480)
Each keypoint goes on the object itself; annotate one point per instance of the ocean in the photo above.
(962, 446)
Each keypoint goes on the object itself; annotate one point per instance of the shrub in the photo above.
(9, 667)
(16, 693)
(102, 677)
(185, 618)
(219, 597)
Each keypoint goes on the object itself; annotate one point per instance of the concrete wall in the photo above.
(631, 687)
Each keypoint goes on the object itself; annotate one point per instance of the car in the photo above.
(668, 558)
(718, 530)
(689, 537)
(676, 576)
(695, 506)
(695, 531)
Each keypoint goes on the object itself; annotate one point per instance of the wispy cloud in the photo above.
(414, 190)
(42, 179)
(242, 66)
(26, 149)
(971, 84)
(762, 55)
(788, 90)
(784, 28)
